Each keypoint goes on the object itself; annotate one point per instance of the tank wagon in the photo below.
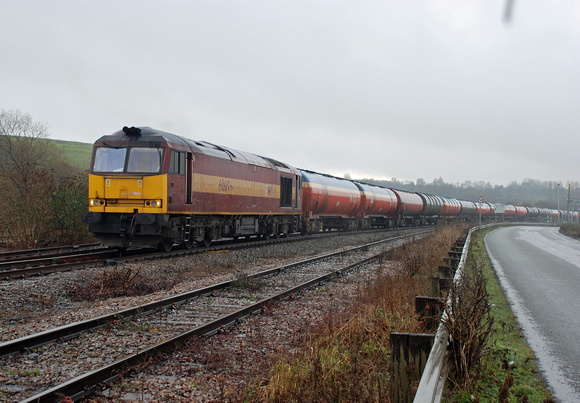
(150, 188)
(378, 206)
(410, 208)
(329, 202)
(451, 207)
(544, 215)
(334, 203)
(432, 207)
(485, 209)
(520, 213)
(468, 210)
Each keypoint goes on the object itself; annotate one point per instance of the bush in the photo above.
(469, 324)
(68, 202)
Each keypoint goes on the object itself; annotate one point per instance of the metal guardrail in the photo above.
(437, 366)
(435, 373)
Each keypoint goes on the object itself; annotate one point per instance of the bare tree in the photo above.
(23, 148)
(26, 178)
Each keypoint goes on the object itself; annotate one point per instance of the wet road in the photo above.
(539, 270)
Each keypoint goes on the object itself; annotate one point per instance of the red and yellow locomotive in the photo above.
(150, 188)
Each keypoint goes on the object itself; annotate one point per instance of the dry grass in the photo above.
(571, 230)
(469, 323)
(348, 359)
(141, 279)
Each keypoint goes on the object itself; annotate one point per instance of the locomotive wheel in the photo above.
(206, 242)
(165, 246)
(188, 244)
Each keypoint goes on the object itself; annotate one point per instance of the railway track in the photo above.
(28, 253)
(21, 264)
(106, 347)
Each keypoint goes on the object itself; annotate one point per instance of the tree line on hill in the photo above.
(43, 196)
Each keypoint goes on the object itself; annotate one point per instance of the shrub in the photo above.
(469, 324)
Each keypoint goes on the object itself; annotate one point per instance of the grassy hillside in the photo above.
(79, 154)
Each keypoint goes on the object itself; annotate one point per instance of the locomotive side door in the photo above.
(189, 179)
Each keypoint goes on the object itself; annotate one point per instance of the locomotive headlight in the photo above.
(153, 203)
(96, 202)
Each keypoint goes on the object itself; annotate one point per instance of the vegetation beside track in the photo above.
(571, 230)
(348, 358)
(43, 192)
(508, 370)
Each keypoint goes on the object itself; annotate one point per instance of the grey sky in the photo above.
(405, 89)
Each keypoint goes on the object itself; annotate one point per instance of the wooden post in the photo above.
(446, 271)
(445, 283)
(434, 290)
(409, 354)
(430, 310)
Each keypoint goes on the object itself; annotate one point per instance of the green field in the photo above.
(78, 154)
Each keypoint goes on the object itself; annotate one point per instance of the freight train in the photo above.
(149, 188)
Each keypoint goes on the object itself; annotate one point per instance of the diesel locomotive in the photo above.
(149, 188)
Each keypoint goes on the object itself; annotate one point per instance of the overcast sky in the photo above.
(405, 89)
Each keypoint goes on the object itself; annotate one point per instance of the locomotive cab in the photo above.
(127, 191)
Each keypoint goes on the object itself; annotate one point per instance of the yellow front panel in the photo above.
(124, 188)
(127, 194)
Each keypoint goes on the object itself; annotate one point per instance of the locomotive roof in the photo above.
(146, 136)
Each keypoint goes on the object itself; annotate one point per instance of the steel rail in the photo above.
(32, 252)
(84, 385)
(56, 264)
(71, 330)
(40, 260)
(135, 255)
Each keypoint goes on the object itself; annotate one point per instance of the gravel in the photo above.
(212, 369)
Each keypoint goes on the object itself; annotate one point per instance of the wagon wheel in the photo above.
(266, 236)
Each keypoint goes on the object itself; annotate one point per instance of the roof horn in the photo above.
(132, 131)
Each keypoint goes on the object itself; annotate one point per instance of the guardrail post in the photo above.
(432, 383)
(430, 310)
(409, 354)
(446, 271)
